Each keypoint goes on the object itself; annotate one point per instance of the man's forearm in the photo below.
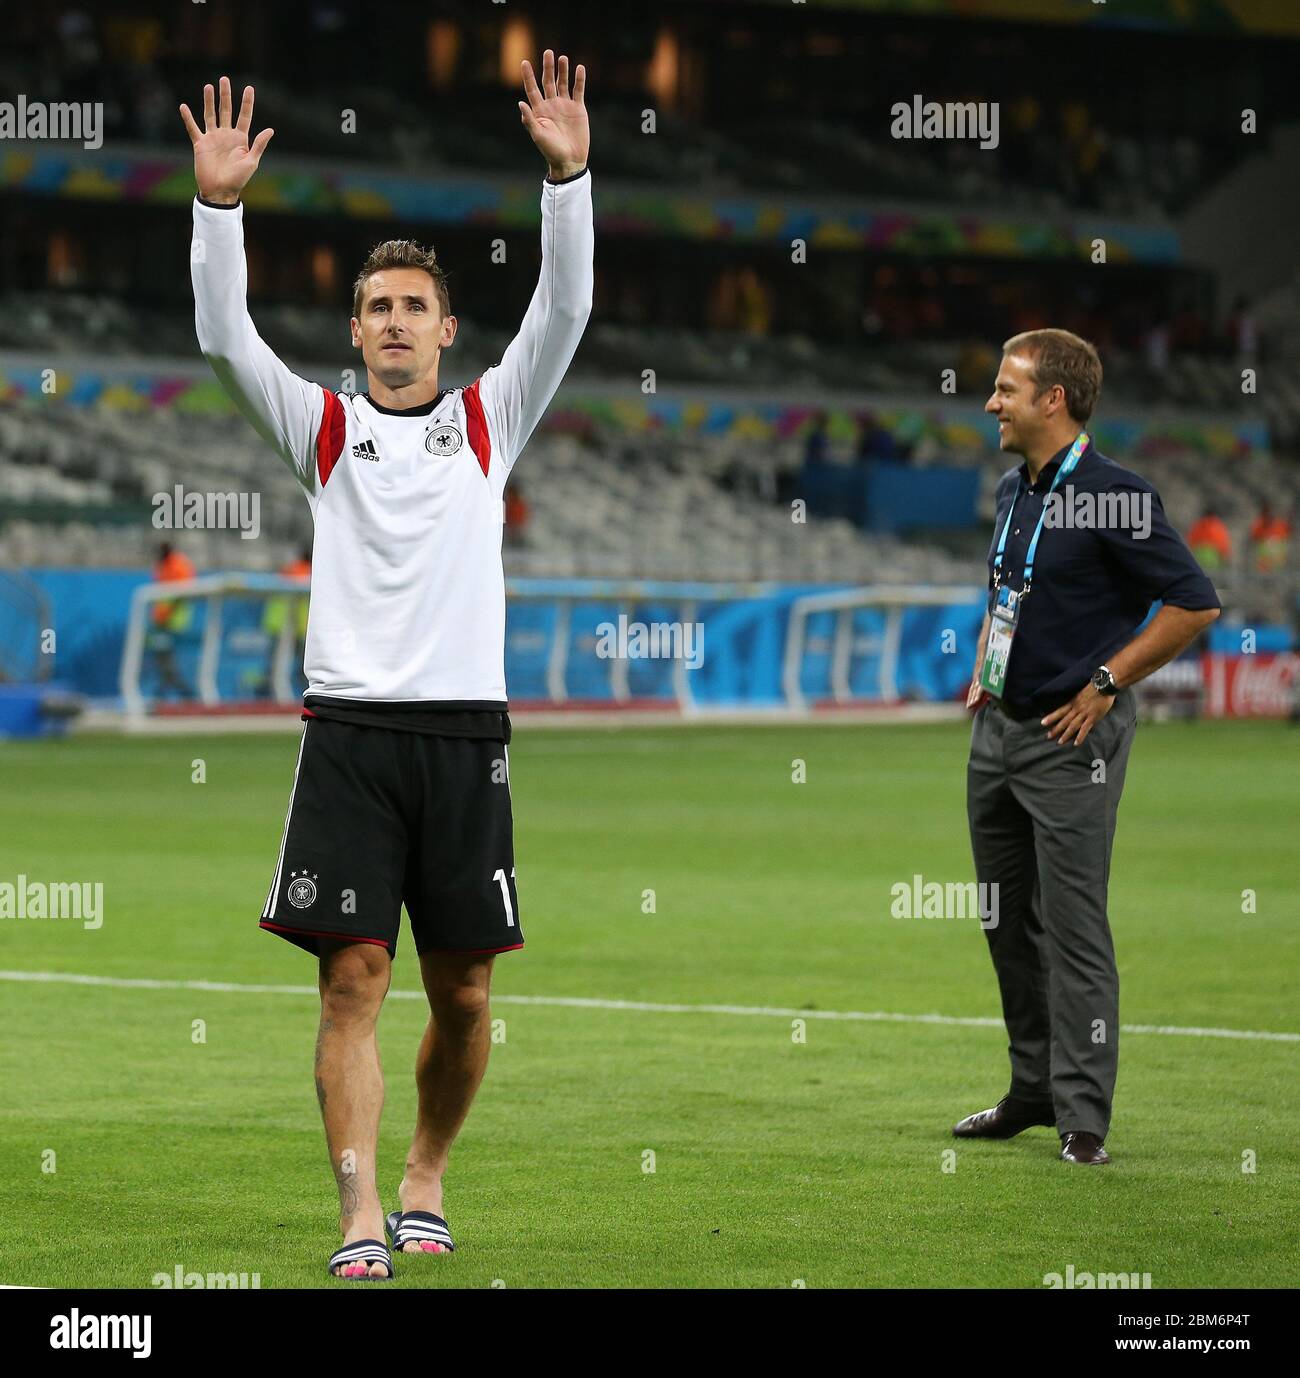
(285, 410)
(1170, 631)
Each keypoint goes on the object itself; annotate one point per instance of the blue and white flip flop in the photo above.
(360, 1255)
(419, 1227)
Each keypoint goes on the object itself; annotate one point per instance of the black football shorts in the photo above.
(381, 818)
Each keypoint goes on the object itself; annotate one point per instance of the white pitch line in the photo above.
(639, 1006)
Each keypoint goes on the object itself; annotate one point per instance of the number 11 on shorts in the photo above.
(500, 878)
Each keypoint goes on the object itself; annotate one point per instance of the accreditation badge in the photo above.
(1002, 631)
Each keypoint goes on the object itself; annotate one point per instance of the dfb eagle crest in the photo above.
(445, 440)
(302, 890)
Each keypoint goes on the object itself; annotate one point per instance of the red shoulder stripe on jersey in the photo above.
(476, 424)
(329, 439)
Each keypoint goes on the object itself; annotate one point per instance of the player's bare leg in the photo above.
(354, 979)
(452, 1059)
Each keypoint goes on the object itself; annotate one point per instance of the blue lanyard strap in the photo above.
(1067, 466)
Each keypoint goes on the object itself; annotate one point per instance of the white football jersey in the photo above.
(407, 589)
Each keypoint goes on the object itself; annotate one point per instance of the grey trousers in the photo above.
(1042, 823)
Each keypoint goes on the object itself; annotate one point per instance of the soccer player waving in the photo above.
(401, 793)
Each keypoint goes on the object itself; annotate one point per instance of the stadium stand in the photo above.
(1147, 153)
(695, 479)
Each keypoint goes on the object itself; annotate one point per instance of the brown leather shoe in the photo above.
(1004, 1121)
(1080, 1147)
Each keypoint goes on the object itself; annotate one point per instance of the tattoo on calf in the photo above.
(349, 1196)
(326, 1026)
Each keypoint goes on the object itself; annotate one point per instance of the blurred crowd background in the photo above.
(726, 373)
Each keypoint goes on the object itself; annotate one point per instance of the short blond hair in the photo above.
(1061, 358)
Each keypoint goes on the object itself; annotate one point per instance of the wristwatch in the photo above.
(1104, 682)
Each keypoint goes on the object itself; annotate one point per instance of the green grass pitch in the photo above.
(774, 1160)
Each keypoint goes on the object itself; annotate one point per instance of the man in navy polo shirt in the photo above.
(1081, 549)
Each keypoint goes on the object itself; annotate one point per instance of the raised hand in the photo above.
(557, 120)
(223, 159)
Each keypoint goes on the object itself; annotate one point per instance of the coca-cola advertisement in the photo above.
(1250, 686)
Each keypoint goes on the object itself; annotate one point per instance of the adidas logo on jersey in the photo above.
(366, 450)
